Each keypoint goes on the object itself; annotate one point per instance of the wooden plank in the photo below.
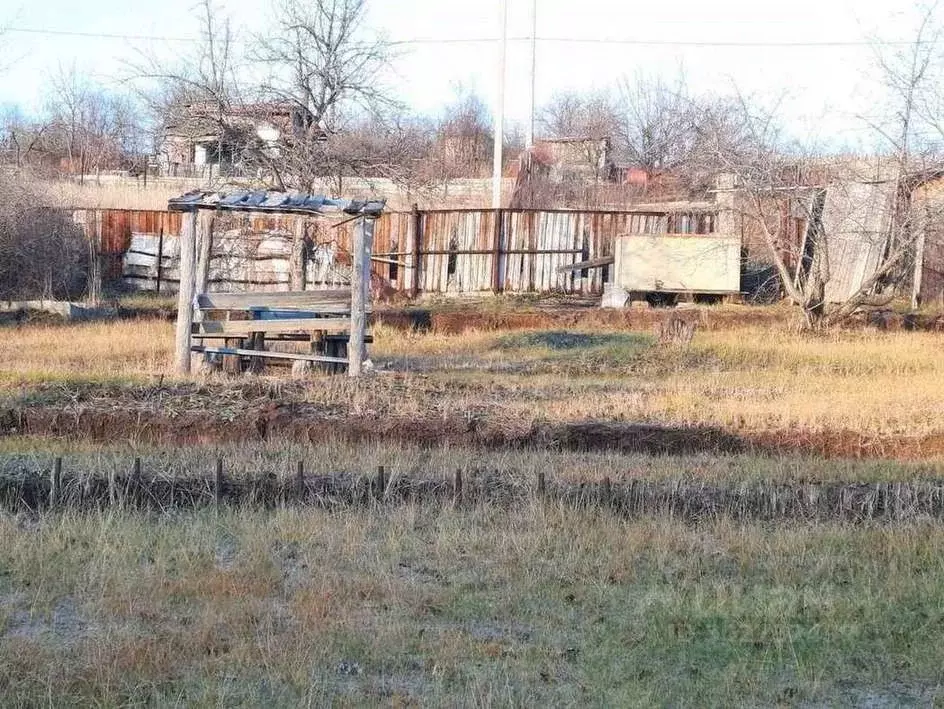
(239, 352)
(286, 300)
(243, 328)
(581, 265)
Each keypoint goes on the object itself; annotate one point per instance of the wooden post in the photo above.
(204, 246)
(457, 488)
(542, 485)
(381, 482)
(417, 251)
(299, 256)
(218, 483)
(496, 252)
(55, 483)
(160, 258)
(360, 294)
(300, 481)
(95, 260)
(186, 292)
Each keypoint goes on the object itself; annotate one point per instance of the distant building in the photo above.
(198, 139)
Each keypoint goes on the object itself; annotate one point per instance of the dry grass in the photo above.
(99, 351)
(753, 379)
(536, 606)
(125, 194)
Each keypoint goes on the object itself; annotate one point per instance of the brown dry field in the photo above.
(498, 375)
(536, 602)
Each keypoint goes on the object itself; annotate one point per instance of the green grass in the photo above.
(470, 608)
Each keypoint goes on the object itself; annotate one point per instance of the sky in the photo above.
(813, 59)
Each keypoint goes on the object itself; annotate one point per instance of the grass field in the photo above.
(535, 604)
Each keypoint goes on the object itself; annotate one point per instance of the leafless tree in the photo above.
(90, 128)
(775, 186)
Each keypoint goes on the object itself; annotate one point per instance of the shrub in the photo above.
(43, 253)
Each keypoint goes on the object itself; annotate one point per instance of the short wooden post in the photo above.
(457, 488)
(542, 484)
(186, 292)
(135, 477)
(607, 491)
(300, 481)
(381, 486)
(112, 491)
(218, 483)
(55, 483)
(360, 294)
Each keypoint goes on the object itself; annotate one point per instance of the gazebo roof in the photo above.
(271, 201)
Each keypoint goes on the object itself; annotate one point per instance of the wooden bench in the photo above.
(246, 321)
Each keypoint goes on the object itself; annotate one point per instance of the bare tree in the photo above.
(325, 65)
(854, 214)
(94, 128)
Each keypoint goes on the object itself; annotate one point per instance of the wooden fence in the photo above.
(422, 251)
(36, 490)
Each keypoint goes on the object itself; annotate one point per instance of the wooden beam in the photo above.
(185, 292)
(299, 255)
(291, 300)
(360, 294)
(204, 249)
(240, 352)
(243, 328)
(592, 263)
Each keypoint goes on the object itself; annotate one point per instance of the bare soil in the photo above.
(285, 421)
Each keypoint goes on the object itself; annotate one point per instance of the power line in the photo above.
(749, 44)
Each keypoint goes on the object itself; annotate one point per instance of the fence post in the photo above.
(300, 480)
(360, 293)
(55, 483)
(457, 488)
(218, 483)
(497, 252)
(160, 258)
(381, 482)
(417, 250)
(185, 292)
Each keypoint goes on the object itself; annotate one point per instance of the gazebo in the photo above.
(250, 317)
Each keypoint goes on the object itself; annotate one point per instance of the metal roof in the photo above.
(269, 201)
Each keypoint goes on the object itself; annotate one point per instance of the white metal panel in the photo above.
(702, 264)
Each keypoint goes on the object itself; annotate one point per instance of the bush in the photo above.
(43, 253)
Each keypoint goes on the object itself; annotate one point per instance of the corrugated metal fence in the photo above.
(438, 251)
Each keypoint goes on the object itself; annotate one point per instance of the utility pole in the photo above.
(499, 119)
(529, 135)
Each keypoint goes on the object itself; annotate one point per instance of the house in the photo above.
(200, 139)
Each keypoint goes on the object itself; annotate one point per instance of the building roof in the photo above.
(272, 201)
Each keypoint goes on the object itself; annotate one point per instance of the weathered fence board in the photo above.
(433, 251)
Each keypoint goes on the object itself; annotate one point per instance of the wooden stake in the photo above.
(607, 490)
(55, 483)
(457, 488)
(300, 480)
(381, 482)
(218, 487)
(542, 486)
